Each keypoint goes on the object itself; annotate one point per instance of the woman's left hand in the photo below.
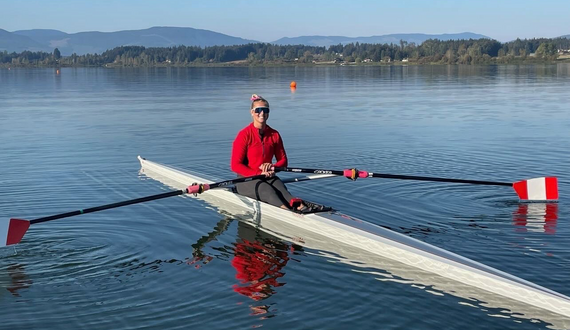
(266, 169)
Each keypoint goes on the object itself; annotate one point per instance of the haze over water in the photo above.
(69, 140)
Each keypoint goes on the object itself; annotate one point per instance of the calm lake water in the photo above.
(69, 140)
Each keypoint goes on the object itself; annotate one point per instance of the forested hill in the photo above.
(432, 51)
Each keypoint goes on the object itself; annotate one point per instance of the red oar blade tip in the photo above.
(12, 231)
(537, 189)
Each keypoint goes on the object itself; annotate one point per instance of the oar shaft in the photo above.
(425, 178)
(194, 189)
(354, 174)
(307, 170)
(108, 206)
(309, 177)
(234, 181)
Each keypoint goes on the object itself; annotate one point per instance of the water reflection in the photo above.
(198, 256)
(16, 279)
(526, 217)
(259, 261)
(536, 217)
(257, 257)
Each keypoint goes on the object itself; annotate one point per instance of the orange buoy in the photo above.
(293, 84)
(293, 89)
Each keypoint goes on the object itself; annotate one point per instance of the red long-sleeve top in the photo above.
(250, 151)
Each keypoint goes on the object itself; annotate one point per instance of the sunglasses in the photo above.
(260, 109)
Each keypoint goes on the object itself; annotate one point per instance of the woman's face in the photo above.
(260, 112)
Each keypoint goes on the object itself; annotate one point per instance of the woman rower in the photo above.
(253, 150)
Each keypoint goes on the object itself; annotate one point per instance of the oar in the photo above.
(308, 177)
(12, 231)
(537, 189)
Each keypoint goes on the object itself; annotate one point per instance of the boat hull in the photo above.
(373, 239)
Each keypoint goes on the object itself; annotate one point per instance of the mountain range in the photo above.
(11, 41)
(417, 38)
(98, 42)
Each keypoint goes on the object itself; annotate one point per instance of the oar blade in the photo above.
(537, 189)
(12, 231)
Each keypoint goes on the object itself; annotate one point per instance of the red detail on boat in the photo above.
(294, 202)
(16, 230)
(521, 189)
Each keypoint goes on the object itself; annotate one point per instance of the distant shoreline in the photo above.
(318, 64)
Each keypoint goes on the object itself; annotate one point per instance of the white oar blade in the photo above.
(537, 189)
(12, 231)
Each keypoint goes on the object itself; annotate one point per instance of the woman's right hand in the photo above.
(266, 169)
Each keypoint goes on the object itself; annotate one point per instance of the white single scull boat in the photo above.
(380, 241)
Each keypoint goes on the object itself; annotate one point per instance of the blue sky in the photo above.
(503, 20)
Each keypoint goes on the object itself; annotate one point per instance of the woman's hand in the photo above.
(266, 169)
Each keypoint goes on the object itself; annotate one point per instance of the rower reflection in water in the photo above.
(253, 150)
(17, 279)
(259, 263)
(257, 257)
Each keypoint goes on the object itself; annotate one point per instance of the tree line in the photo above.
(480, 51)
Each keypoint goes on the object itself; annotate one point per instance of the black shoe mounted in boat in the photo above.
(310, 207)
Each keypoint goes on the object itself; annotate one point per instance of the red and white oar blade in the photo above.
(12, 231)
(537, 189)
